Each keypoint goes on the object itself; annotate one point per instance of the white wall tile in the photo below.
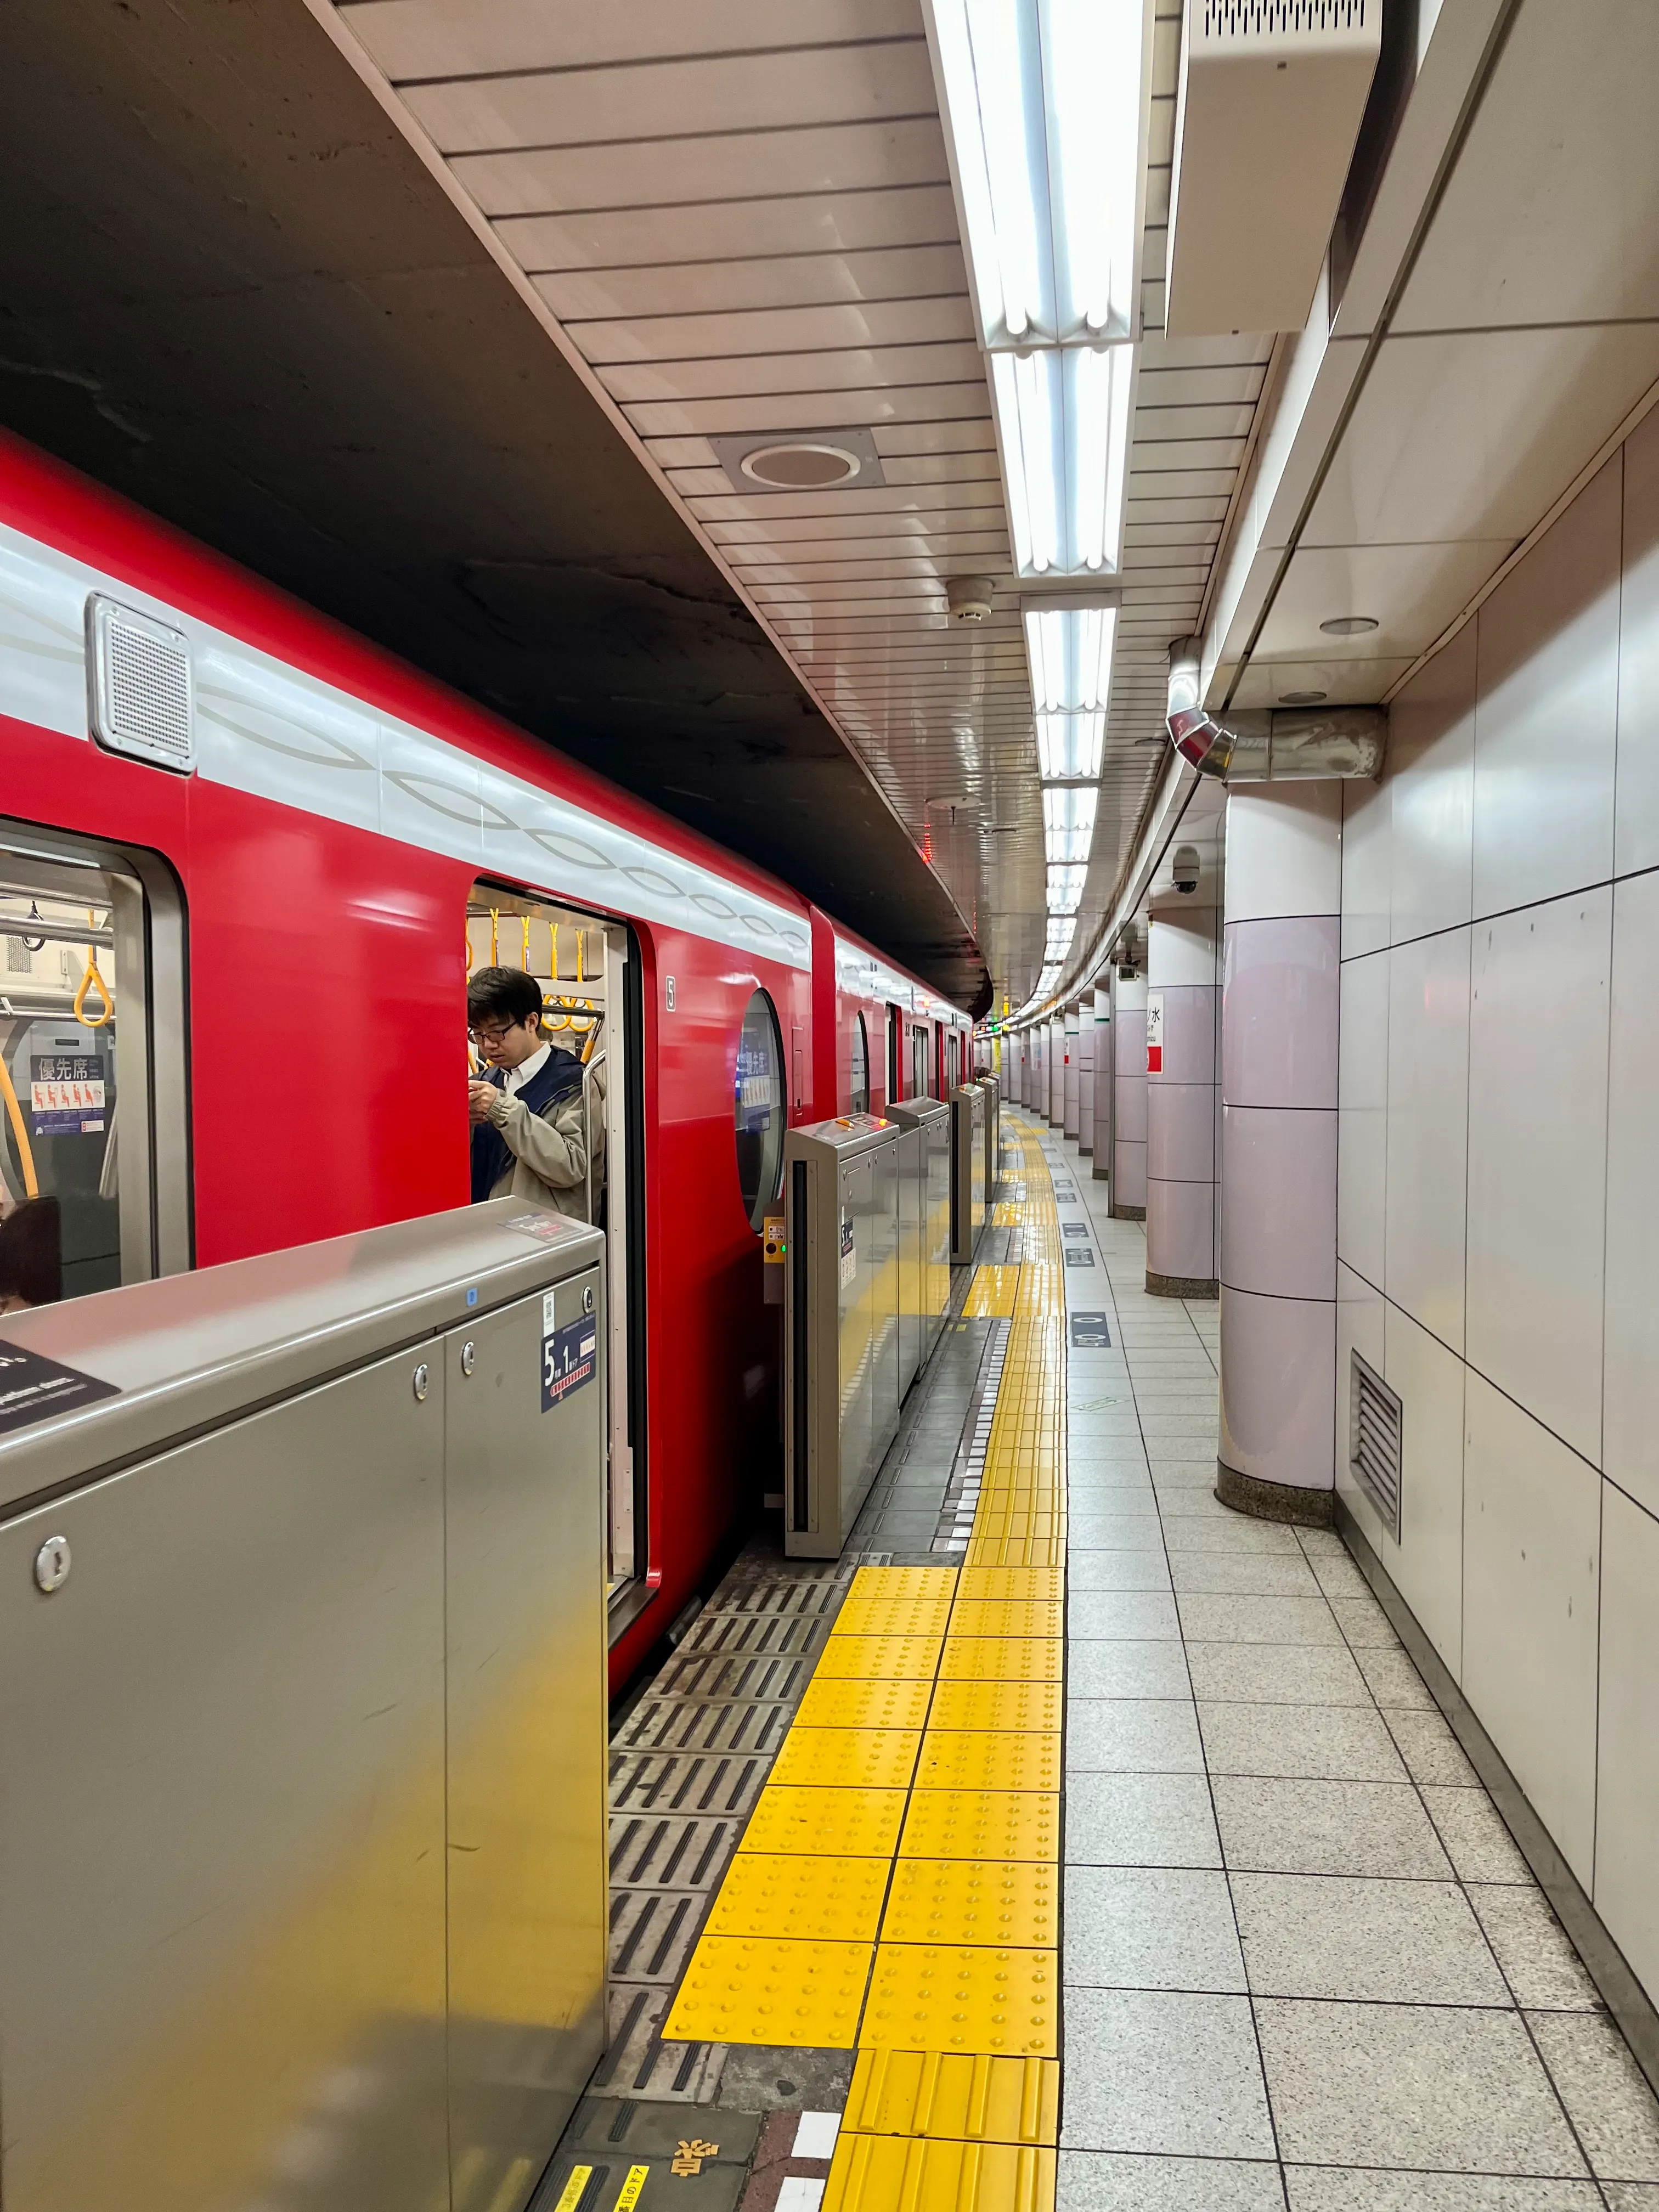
(1636, 835)
(1629, 1397)
(1284, 852)
(1537, 1158)
(1366, 811)
(1363, 1103)
(1430, 775)
(1627, 1780)
(1545, 722)
(1359, 1327)
(1428, 1131)
(1428, 1564)
(1532, 1557)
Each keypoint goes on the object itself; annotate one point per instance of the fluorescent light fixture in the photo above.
(1069, 649)
(1070, 745)
(1058, 942)
(1063, 426)
(1065, 888)
(1043, 103)
(1068, 823)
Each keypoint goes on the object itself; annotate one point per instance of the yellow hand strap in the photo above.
(19, 1130)
(92, 977)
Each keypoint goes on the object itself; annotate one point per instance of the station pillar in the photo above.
(1102, 1147)
(1057, 1072)
(1280, 990)
(1073, 1102)
(1183, 1007)
(1129, 1095)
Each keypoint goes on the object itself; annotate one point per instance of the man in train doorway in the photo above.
(529, 1139)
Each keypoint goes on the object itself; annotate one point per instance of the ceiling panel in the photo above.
(741, 217)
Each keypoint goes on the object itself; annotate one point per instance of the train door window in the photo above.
(758, 1110)
(918, 1060)
(860, 1083)
(588, 971)
(895, 1026)
(95, 1168)
(953, 1061)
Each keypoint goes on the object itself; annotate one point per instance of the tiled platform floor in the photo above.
(1302, 1963)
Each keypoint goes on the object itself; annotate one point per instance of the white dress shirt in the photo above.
(518, 1076)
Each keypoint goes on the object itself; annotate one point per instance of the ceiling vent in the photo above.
(1272, 95)
(139, 687)
(1375, 1421)
(804, 460)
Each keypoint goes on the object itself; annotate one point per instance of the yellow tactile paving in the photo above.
(740, 1989)
(981, 1824)
(847, 1759)
(1001, 1659)
(973, 1901)
(989, 1999)
(825, 1823)
(991, 1294)
(832, 1704)
(815, 1900)
(1008, 1616)
(993, 1583)
(871, 1658)
(1018, 1551)
(904, 1582)
(893, 1616)
(916, 2173)
(935, 2093)
(998, 1705)
(982, 1759)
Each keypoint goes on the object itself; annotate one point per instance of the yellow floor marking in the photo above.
(628, 2195)
(871, 1658)
(825, 1823)
(980, 1758)
(1018, 1552)
(992, 1583)
(1001, 1659)
(893, 1616)
(973, 1901)
(970, 1997)
(848, 1758)
(815, 1899)
(571, 2195)
(998, 1705)
(831, 1703)
(982, 1824)
(899, 2173)
(933, 2093)
(1008, 1616)
(991, 1294)
(904, 1582)
(743, 1990)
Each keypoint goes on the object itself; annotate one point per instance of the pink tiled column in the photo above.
(1279, 1100)
(1103, 1141)
(1129, 1096)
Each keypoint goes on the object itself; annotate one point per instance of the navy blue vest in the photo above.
(559, 1075)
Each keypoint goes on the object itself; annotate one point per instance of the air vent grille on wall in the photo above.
(140, 687)
(1376, 1417)
(1280, 19)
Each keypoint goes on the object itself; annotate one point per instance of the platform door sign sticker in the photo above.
(570, 1355)
(1154, 1032)
(34, 1388)
(66, 1094)
(849, 1258)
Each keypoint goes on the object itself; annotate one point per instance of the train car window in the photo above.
(94, 1169)
(759, 1110)
(953, 1061)
(918, 1060)
(860, 1066)
(894, 1026)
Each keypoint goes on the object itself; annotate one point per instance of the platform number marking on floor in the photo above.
(1089, 1332)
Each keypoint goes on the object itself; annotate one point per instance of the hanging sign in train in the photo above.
(66, 1094)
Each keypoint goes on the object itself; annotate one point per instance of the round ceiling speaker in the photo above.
(1303, 698)
(798, 467)
(1349, 625)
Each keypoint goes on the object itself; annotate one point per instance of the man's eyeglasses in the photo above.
(488, 1039)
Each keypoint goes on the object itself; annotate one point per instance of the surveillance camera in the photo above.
(1185, 868)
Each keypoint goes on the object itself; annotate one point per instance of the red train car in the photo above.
(246, 862)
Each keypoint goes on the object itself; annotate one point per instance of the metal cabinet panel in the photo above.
(912, 1317)
(967, 1171)
(221, 1835)
(524, 1565)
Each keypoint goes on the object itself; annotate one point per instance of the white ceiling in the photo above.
(739, 218)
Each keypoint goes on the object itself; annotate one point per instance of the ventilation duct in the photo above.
(1268, 746)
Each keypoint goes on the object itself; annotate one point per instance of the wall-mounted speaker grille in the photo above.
(1375, 1418)
(139, 687)
(1282, 19)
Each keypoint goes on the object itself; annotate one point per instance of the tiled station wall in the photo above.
(1498, 1169)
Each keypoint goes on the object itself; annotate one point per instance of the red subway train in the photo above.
(246, 862)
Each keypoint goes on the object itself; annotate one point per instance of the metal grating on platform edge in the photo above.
(956, 1522)
(687, 1764)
